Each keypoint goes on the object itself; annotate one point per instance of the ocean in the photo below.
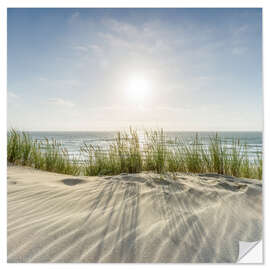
(72, 140)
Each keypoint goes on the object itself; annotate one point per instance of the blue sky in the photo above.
(106, 69)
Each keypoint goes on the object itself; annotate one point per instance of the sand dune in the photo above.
(130, 218)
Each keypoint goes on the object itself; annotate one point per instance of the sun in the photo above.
(138, 88)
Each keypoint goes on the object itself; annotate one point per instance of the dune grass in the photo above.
(127, 155)
(155, 151)
(48, 155)
(122, 156)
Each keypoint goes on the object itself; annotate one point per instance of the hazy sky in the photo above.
(105, 69)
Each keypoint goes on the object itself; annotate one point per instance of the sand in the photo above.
(130, 217)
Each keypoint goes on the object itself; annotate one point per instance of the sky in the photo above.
(108, 69)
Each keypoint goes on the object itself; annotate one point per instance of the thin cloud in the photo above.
(88, 48)
(122, 28)
(61, 102)
(239, 50)
(95, 48)
(241, 29)
(12, 95)
(80, 48)
(75, 15)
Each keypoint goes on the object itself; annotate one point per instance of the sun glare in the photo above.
(138, 88)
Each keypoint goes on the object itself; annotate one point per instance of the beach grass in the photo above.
(125, 154)
(122, 156)
(48, 156)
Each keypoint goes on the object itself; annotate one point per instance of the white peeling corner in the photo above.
(250, 252)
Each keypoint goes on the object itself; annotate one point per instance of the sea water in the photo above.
(73, 140)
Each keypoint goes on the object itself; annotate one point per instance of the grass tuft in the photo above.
(123, 156)
(48, 155)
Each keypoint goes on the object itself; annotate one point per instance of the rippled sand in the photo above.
(130, 217)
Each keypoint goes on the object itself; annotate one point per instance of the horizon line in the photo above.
(138, 129)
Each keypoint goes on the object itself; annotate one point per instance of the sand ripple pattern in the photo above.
(130, 218)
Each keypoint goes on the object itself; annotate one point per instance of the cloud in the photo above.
(80, 48)
(239, 50)
(12, 95)
(148, 38)
(97, 50)
(61, 102)
(242, 29)
(70, 83)
(122, 28)
(75, 15)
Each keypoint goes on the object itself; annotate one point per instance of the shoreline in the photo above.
(144, 217)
